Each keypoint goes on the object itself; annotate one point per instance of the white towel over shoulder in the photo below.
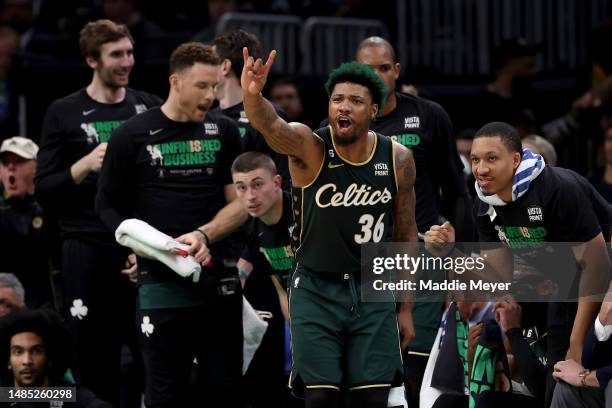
(150, 243)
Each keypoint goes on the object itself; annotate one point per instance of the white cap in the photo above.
(21, 146)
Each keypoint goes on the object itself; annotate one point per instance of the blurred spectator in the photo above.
(506, 98)
(9, 43)
(284, 92)
(464, 146)
(35, 347)
(602, 180)
(574, 133)
(216, 9)
(147, 34)
(27, 236)
(17, 13)
(12, 294)
(539, 145)
(410, 89)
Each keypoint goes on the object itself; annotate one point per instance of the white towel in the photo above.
(253, 330)
(150, 243)
(397, 397)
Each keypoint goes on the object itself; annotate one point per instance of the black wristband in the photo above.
(514, 331)
(204, 234)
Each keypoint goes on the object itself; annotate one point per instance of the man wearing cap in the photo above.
(75, 133)
(26, 234)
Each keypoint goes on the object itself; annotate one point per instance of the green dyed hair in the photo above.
(361, 74)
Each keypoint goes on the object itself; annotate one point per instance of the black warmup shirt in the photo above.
(269, 246)
(169, 174)
(252, 140)
(72, 128)
(602, 187)
(559, 206)
(424, 127)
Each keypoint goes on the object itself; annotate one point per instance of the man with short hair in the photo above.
(338, 340)
(76, 130)
(264, 267)
(170, 167)
(36, 349)
(12, 294)
(229, 49)
(524, 203)
(24, 227)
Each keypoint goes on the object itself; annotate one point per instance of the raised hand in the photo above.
(255, 73)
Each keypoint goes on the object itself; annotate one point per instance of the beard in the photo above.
(346, 140)
(350, 138)
(107, 77)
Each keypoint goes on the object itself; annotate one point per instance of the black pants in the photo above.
(211, 334)
(414, 369)
(265, 381)
(99, 304)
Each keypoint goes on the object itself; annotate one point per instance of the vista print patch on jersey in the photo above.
(211, 128)
(381, 169)
(535, 213)
(412, 122)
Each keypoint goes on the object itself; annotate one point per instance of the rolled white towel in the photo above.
(151, 243)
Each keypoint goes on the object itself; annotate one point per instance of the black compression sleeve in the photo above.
(532, 371)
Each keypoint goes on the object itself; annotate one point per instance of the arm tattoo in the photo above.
(281, 137)
(404, 228)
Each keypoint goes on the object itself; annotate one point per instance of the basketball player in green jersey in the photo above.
(350, 186)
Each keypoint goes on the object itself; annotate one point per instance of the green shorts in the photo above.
(336, 339)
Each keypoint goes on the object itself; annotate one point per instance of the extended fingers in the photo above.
(271, 59)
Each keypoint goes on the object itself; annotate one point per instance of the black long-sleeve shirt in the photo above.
(74, 126)
(253, 140)
(171, 175)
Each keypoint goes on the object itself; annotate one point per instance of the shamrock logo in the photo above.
(146, 326)
(78, 309)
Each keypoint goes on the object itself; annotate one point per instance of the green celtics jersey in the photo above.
(346, 205)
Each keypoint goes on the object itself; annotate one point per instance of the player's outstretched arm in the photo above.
(290, 139)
